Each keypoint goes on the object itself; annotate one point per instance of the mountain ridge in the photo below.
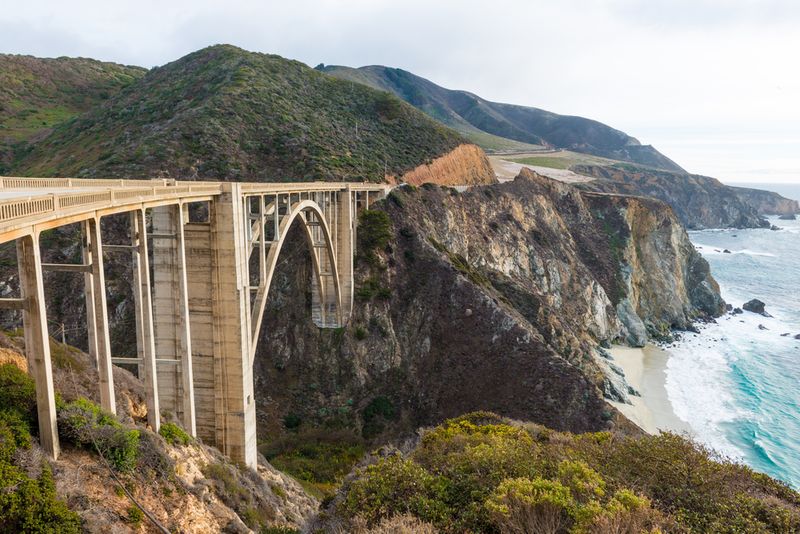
(224, 113)
(470, 114)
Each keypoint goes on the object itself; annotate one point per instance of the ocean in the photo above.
(737, 382)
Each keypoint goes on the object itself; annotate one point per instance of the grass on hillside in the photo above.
(494, 143)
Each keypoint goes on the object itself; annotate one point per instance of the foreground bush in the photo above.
(28, 502)
(481, 473)
(85, 424)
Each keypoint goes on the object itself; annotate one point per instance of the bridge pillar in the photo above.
(173, 344)
(218, 289)
(145, 342)
(100, 326)
(37, 340)
(344, 234)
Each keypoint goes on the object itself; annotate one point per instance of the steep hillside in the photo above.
(112, 468)
(494, 298)
(226, 114)
(481, 119)
(36, 94)
(699, 201)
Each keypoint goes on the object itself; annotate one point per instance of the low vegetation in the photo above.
(318, 458)
(84, 424)
(227, 114)
(483, 473)
(28, 501)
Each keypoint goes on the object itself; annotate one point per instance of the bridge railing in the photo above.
(14, 182)
(23, 207)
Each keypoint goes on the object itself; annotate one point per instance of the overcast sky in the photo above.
(714, 84)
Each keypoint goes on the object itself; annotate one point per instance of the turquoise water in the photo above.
(738, 385)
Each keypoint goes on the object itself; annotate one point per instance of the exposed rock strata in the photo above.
(464, 165)
(698, 201)
(767, 202)
(494, 298)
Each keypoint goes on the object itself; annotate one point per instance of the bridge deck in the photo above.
(41, 203)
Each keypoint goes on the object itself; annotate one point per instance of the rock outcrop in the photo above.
(494, 298)
(767, 202)
(698, 201)
(464, 165)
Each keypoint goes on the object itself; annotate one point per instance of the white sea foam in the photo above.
(708, 249)
(698, 386)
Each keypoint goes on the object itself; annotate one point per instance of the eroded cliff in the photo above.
(494, 298)
(767, 202)
(698, 201)
(464, 165)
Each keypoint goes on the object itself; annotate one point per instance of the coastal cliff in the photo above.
(767, 202)
(494, 298)
(464, 165)
(699, 201)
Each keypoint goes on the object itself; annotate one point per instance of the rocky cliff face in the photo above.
(698, 201)
(494, 298)
(464, 165)
(767, 202)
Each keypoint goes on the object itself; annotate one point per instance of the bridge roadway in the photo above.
(202, 257)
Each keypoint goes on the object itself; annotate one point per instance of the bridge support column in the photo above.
(345, 240)
(145, 343)
(101, 330)
(37, 340)
(88, 284)
(173, 344)
(218, 289)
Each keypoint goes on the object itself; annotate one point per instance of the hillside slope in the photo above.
(223, 113)
(36, 94)
(478, 118)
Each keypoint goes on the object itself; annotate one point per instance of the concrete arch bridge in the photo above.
(198, 315)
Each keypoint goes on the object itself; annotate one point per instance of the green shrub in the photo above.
(395, 486)
(135, 516)
(18, 392)
(380, 409)
(292, 421)
(360, 333)
(174, 434)
(483, 473)
(319, 458)
(374, 233)
(538, 505)
(85, 424)
(30, 505)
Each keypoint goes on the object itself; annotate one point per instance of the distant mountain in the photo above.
(487, 123)
(223, 113)
(36, 94)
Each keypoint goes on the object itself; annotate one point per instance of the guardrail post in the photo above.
(37, 340)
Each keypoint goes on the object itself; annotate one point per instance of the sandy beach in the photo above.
(645, 370)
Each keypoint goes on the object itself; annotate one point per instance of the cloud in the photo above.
(648, 67)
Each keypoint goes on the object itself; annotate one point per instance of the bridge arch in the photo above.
(327, 288)
(198, 318)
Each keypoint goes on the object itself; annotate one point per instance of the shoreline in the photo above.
(645, 370)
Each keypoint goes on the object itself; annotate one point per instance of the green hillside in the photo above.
(37, 94)
(487, 122)
(223, 113)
